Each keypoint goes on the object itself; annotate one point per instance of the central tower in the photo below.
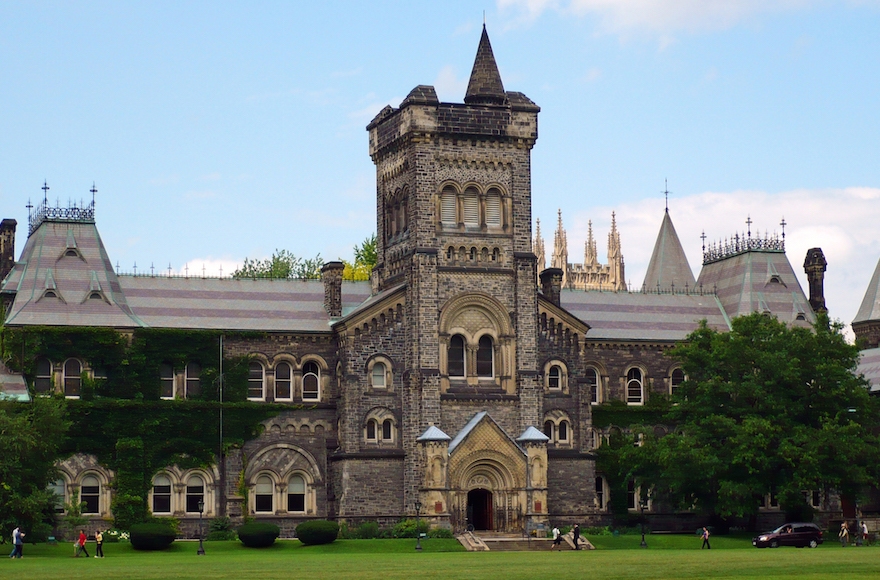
(453, 206)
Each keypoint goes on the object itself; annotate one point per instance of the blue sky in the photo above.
(216, 131)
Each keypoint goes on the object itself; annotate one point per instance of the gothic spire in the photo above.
(539, 247)
(485, 87)
(591, 258)
(560, 250)
(669, 267)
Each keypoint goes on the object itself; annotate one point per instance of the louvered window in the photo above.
(447, 207)
(493, 209)
(471, 208)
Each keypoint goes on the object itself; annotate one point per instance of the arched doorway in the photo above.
(479, 509)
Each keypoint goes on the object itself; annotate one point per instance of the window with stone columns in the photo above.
(470, 206)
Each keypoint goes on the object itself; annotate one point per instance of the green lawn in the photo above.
(667, 557)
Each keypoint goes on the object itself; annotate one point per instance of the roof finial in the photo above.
(45, 192)
(93, 191)
(749, 224)
(782, 223)
(703, 237)
(666, 192)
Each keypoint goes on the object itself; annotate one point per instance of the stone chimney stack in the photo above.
(331, 274)
(7, 246)
(814, 266)
(551, 284)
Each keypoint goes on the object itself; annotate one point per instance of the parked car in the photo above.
(799, 535)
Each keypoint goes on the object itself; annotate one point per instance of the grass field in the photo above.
(666, 557)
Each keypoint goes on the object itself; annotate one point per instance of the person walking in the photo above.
(864, 532)
(705, 536)
(99, 544)
(81, 544)
(17, 543)
(843, 534)
(557, 538)
(576, 532)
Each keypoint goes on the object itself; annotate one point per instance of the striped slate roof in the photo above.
(758, 281)
(127, 301)
(643, 316)
(669, 267)
(869, 365)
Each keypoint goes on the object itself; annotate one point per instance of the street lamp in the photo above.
(643, 503)
(418, 525)
(201, 551)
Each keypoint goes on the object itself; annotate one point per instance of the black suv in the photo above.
(798, 535)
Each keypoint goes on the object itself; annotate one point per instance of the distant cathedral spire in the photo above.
(485, 87)
(560, 250)
(539, 247)
(591, 257)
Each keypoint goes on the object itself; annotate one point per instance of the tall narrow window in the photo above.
(447, 207)
(166, 381)
(456, 356)
(634, 391)
(255, 382)
(471, 206)
(563, 431)
(592, 383)
(263, 496)
(378, 375)
(548, 430)
(600, 493)
(485, 356)
(554, 381)
(282, 382)
(161, 494)
(195, 493)
(90, 494)
(72, 377)
(43, 377)
(386, 430)
(631, 495)
(296, 494)
(493, 208)
(193, 382)
(675, 380)
(58, 488)
(371, 430)
(311, 382)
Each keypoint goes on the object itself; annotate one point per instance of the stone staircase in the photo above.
(502, 542)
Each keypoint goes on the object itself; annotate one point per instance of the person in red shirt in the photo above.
(81, 544)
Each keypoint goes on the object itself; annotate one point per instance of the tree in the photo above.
(365, 257)
(765, 408)
(282, 264)
(31, 434)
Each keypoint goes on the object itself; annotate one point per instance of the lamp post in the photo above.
(418, 525)
(201, 551)
(643, 503)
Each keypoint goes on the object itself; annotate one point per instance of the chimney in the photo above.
(7, 246)
(551, 284)
(331, 274)
(814, 266)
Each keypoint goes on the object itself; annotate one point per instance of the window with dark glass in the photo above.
(371, 430)
(296, 494)
(72, 377)
(161, 494)
(563, 431)
(263, 495)
(282, 381)
(600, 492)
(255, 381)
(58, 488)
(386, 430)
(193, 382)
(90, 494)
(592, 382)
(548, 429)
(311, 382)
(43, 377)
(485, 354)
(631, 499)
(166, 381)
(676, 379)
(634, 386)
(195, 493)
(554, 381)
(456, 356)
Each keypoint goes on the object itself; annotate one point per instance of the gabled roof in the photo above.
(668, 267)
(870, 308)
(532, 435)
(433, 433)
(484, 86)
(758, 281)
(643, 315)
(472, 424)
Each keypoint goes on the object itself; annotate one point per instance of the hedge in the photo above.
(151, 536)
(258, 534)
(317, 532)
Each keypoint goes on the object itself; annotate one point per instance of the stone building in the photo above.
(451, 380)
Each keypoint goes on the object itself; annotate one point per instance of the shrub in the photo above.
(317, 532)
(220, 536)
(443, 533)
(407, 529)
(221, 529)
(367, 531)
(153, 536)
(113, 536)
(258, 534)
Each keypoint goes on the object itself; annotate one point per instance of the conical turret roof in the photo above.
(870, 308)
(669, 267)
(485, 85)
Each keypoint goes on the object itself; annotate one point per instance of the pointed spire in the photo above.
(539, 247)
(591, 258)
(560, 250)
(669, 267)
(485, 87)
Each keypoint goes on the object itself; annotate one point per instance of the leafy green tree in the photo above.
(365, 258)
(31, 434)
(282, 264)
(764, 407)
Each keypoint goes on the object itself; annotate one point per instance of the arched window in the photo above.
(166, 381)
(554, 379)
(592, 383)
(296, 494)
(193, 382)
(600, 493)
(675, 380)
(371, 430)
(378, 375)
(471, 207)
(632, 495)
(263, 494)
(493, 208)
(283, 383)
(386, 430)
(311, 390)
(161, 494)
(563, 431)
(447, 207)
(72, 377)
(195, 493)
(43, 377)
(634, 387)
(456, 356)
(256, 381)
(59, 489)
(548, 429)
(90, 495)
(485, 356)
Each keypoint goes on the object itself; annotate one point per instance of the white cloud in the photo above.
(842, 221)
(372, 107)
(449, 87)
(210, 267)
(592, 75)
(200, 195)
